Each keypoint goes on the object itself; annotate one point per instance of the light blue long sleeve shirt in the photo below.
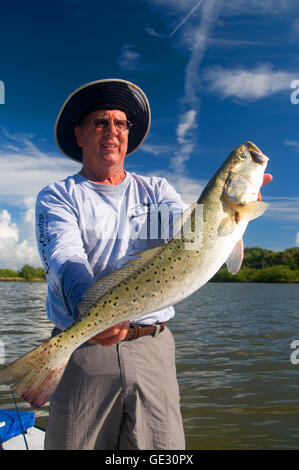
(86, 230)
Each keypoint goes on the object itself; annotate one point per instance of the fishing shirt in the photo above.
(86, 230)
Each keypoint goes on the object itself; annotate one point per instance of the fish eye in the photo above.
(242, 156)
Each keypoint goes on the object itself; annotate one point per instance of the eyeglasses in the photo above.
(102, 124)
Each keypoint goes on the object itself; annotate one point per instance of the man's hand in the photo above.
(267, 179)
(112, 335)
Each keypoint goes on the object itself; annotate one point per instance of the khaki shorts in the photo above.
(118, 397)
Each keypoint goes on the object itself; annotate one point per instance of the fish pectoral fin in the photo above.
(235, 259)
(252, 210)
(226, 227)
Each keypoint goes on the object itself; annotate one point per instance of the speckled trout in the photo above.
(158, 277)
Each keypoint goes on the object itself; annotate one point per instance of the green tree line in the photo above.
(260, 265)
(26, 273)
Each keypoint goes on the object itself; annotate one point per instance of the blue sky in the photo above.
(216, 73)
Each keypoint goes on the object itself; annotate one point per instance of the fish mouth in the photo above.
(256, 154)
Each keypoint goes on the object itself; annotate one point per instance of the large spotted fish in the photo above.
(208, 235)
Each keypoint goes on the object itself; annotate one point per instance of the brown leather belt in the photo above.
(136, 331)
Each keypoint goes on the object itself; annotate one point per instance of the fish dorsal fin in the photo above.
(105, 284)
(235, 259)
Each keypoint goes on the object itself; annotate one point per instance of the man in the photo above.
(119, 390)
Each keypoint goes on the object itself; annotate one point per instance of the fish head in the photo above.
(245, 174)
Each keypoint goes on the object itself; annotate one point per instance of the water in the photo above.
(239, 389)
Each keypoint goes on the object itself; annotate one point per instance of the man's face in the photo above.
(106, 147)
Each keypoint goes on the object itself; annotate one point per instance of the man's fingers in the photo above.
(267, 178)
(112, 335)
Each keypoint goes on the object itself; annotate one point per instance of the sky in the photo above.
(216, 74)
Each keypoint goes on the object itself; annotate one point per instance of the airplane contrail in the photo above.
(185, 19)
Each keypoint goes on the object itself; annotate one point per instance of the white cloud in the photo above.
(14, 253)
(245, 84)
(233, 7)
(297, 239)
(295, 25)
(186, 124)
(154, 33)
(282, 208)
(189, 188)
(292, 143)
(24, 171)
(186, 141)
(200, 33)
(256, 7)
(156, 149)
(129, 58)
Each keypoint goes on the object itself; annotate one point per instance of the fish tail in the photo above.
(36, 375)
